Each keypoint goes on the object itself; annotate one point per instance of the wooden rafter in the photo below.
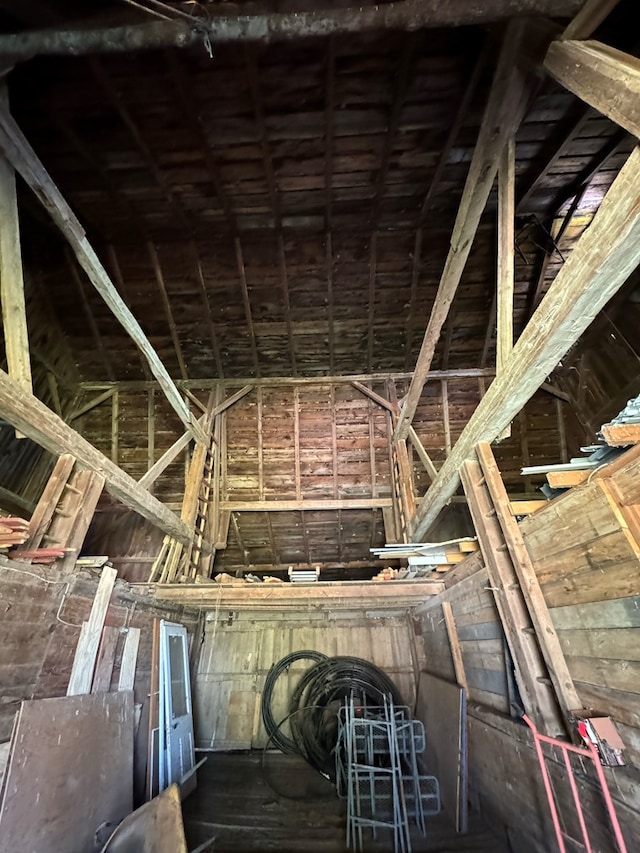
(589, 18)
(258, 109)
(506, 261)
(124, 293)
(411, 317)
(246, 303)
(27, 414)
(25, 161)
(173, 329)
(403, 15)
(373, 245)
(330, 301)
(117, 100)
(605, 78)
(506, 106)
(284, 278)
(602, 260)
(91, 320)
(215, 346)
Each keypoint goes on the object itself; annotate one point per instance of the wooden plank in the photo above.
(506, 262)
(527, 507)
(377, 398)
(167, 458)
(56, 755)
(538, 697)
(32, 417)
(127, 678)
(605, 78)
(311, 504)
(621, 435)
(232, 400)
(567, 479)
(154, 713)
(87, 648)
(25, 161)
(442, 708)
(106, 659)
(529, 584)
(91, 404)
(602, 260)
(86, 506)
(424, 457)
(454, 643)
(505, 108)
(49, 499)
(14, 316)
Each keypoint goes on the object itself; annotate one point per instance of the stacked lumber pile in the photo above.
(13, 531)
(624, 429)
(422, 558)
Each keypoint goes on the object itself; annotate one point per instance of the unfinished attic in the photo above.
(319, 426)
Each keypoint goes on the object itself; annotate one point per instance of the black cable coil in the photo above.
(316, 699)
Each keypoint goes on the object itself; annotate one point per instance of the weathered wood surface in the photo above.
(57, 749)
(37, 422)
(87, 649)
(605, 256)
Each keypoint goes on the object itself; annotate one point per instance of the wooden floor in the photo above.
(296, 810)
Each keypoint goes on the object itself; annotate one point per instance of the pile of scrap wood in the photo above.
(423, 558)
(13, 531)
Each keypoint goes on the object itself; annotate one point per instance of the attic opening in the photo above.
(308, 317)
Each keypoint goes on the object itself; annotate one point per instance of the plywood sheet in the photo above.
(70, 770)
(442, 708)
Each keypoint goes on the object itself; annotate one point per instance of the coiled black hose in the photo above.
(315, 701)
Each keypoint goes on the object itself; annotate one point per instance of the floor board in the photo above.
(283, 805)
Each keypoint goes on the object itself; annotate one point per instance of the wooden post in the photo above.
(14, 315)
(506, 266)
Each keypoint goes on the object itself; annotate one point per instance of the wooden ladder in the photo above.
(194, 557)
(543, 678)
(65, 509)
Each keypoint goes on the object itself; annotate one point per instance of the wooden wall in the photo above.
(240, 647)
(40, 627)
(585, 549)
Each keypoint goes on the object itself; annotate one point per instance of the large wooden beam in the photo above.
(508, 99)
(14, 317)
(407, 15)
(25, 161)
(601, 262)
(305, 504)
(27, 414)
(605, 78)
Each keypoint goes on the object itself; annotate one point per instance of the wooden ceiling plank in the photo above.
(114, 95)
(505, 108)
(567, 133)
(408, 15)
(454, 128)
(284, 278)
(26, 413)
(600, 263)
(192, 112)
(246, 303)
(25, 161)
(157, 271)
(605, 78)
(258, 109)
(400, 87)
